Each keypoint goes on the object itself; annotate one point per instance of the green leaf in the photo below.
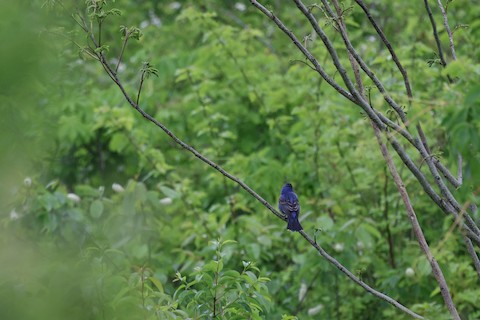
(169, 192)
(96, 209)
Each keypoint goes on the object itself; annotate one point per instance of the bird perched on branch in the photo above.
(289, 206)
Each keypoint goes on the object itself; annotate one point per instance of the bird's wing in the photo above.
(289, 206)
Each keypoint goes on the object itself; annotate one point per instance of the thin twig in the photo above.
(447, 27)
(473, 254)
(443, 188)
(440, 183)
(435, 34)
(353, 96)
(446, 173)
(119, 60)
(304, 50)
(391, 249)
(142, 78)
(448, 209)
(389, 47)
(355, 54)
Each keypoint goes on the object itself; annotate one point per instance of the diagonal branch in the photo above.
(112, 74)
(251, 191)
(456, 182)
(417, 228)
(416, 143)
(365, 286)
(436, 163)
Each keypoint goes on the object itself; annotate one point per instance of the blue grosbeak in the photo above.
(289, 206)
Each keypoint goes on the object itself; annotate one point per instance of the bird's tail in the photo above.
(293, 223)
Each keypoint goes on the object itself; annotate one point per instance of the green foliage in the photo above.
(225, 294)
(228, 83)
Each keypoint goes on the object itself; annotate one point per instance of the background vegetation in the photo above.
(104, 217)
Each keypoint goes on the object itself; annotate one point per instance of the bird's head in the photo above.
(287, 187)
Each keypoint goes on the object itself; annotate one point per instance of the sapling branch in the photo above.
(142, 78)
(124, 44)
(128, 33)
(100, 32)
(147, 71)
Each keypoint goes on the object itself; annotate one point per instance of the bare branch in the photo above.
(120, 57)
(357, 98)
(473, 254)
(142, 78)
(112, 74)
(355, 54)
(305, 51)
(446, 173)
(447, 27)
(389, 47)
(400, 185)
(350, 275)
(437, 272)
(435, 33)
(443, 188)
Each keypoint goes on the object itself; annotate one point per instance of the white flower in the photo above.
(360, 245)
(166, 201)
(27, 181)
(175, 5)
(73, 197)
(144, 24)
(117, 188)
(302, 292)
(14, 215)
(240, 6)
(313, 311)
(338, 247)
(409, 272)
(155, 20)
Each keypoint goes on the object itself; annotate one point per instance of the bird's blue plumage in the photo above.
(289, 206)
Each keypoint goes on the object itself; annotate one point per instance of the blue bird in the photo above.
(289, 206)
